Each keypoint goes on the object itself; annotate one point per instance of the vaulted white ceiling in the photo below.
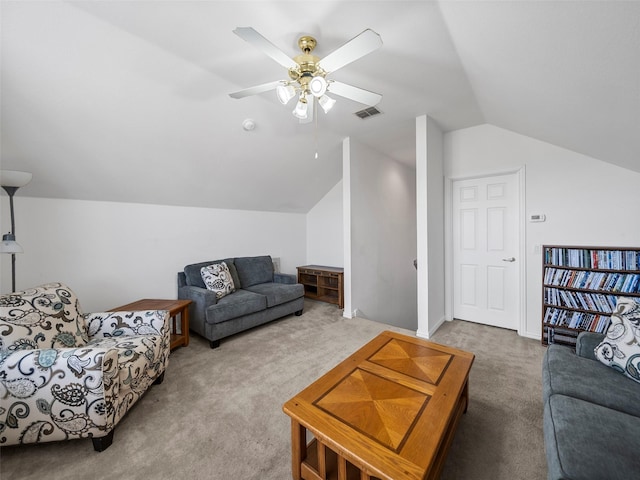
(128, 100)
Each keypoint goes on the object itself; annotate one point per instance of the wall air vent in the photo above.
(368, 112)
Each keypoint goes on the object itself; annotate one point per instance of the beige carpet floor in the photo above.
(218, 414)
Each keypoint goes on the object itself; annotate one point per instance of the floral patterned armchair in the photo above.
(65, 374)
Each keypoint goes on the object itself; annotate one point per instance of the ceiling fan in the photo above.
(307, 72)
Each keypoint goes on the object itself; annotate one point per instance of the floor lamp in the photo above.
(11, 181)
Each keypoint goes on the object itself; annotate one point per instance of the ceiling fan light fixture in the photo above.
(326, 103)
(285, 93)
(317, 86)
(301, 109)
(307, 72)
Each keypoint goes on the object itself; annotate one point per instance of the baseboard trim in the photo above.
(429, 333)
(422, 334)
(533, 336)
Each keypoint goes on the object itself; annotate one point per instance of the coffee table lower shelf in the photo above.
(310, 468)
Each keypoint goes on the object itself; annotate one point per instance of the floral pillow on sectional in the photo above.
(620, 349)
(43, 317)
(217, 278)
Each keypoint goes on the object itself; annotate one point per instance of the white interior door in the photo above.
(485, 218)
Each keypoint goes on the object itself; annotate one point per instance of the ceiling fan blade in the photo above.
(354, 93)
(265, 87)
(357, 47)
(250, 35)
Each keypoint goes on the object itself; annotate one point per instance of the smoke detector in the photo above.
(248, 124)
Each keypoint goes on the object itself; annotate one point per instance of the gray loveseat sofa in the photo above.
(591, 415)
(261, 296)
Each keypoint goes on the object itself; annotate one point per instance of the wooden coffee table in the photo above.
(387, 412)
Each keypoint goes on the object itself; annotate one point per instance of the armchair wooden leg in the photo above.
(159, 379)
(100, 444)
(214, 343)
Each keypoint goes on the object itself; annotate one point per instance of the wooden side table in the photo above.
(179, 337)
(323, 283)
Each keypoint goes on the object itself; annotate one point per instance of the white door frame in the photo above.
(448, 240)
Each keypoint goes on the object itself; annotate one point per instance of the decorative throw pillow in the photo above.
(620, 349)
(217, 278)
(48, 316)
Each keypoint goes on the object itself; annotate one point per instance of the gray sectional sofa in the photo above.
(591, 415)
(261, 295)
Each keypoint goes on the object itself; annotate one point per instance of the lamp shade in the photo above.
(14, 178)
(318, 85)
(9, 244)
(285, 93)
(326, 103)
(301, 109)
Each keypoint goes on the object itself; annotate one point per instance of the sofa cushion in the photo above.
(620, 348)
(140, 362)
(48, 316)
(193, 276)
(587, 441)
(217, 278)
(586, 344)
(564, 372)
(254, 270)
(277, 293)
(237, 304)
(136, 353)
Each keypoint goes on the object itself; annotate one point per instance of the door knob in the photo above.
(510, 259)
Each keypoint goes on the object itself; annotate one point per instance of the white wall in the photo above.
(435, 208)
(115, 253)
(586, 201)
(383, 237)
(325, 243)
(430, 225)
(346, 224)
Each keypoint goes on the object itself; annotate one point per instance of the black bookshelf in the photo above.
(580, 288)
